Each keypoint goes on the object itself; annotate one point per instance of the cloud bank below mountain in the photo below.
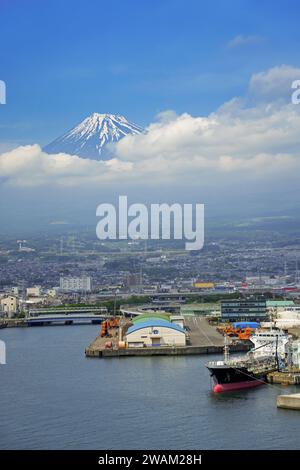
(252, 138)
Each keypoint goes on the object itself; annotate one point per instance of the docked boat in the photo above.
(249, 371)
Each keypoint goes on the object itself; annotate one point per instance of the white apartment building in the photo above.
(33, 291)
(9, 306)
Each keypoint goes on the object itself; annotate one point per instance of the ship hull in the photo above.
(232, 387)
(227, 379)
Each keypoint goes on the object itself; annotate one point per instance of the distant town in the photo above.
(74, 268)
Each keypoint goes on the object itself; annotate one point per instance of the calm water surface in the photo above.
(52, 397)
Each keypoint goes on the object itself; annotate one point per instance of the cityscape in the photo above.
(243, 260)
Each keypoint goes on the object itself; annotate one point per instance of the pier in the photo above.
(203, 338)
(284, 378)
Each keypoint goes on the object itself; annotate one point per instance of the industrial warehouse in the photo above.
(155, 331)
(146, 330)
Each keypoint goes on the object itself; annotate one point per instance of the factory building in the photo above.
(244, 309)
(155, 332)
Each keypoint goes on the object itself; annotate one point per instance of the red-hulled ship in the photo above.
(251, 370)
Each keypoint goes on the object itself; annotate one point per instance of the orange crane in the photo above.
(107, 324)
(240, 333)
(245, 333)
(104, 328)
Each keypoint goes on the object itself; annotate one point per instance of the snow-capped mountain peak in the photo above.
(90, 137)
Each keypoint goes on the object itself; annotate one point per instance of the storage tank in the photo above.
(122, 345)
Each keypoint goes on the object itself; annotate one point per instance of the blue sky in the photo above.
(62, 60)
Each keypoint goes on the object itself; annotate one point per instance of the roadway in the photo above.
(202, 333)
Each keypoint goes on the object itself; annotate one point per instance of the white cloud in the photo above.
(274, 83)
(233, 139)
(30, 166)
(237, 142)
(242, 40)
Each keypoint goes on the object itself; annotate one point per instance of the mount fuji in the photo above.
(91, 137)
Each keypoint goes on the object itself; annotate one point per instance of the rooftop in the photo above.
(155, 323)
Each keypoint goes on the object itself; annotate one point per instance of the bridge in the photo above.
(67, 310)
(63, 319)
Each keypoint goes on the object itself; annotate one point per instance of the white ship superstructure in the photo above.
(268, 343)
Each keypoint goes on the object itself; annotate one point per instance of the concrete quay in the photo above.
(162, 351)
(203, 339)
(290, 402)
(284, 378)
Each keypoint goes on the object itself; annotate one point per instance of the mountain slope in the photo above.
(90, 138)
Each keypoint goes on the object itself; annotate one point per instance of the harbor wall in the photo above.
(161, 351)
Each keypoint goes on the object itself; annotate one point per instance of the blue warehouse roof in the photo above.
(155, 323)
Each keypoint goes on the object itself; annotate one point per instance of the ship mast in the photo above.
(226, 349)
(277, 359)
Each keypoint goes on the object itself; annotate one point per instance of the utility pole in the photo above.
(260, 279)
(141, 276)
(115, 303)
(285, 268)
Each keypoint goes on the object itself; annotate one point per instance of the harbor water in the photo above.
(53, 397)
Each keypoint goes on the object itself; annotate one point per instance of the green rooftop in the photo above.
(150, 316)
(280, 303)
